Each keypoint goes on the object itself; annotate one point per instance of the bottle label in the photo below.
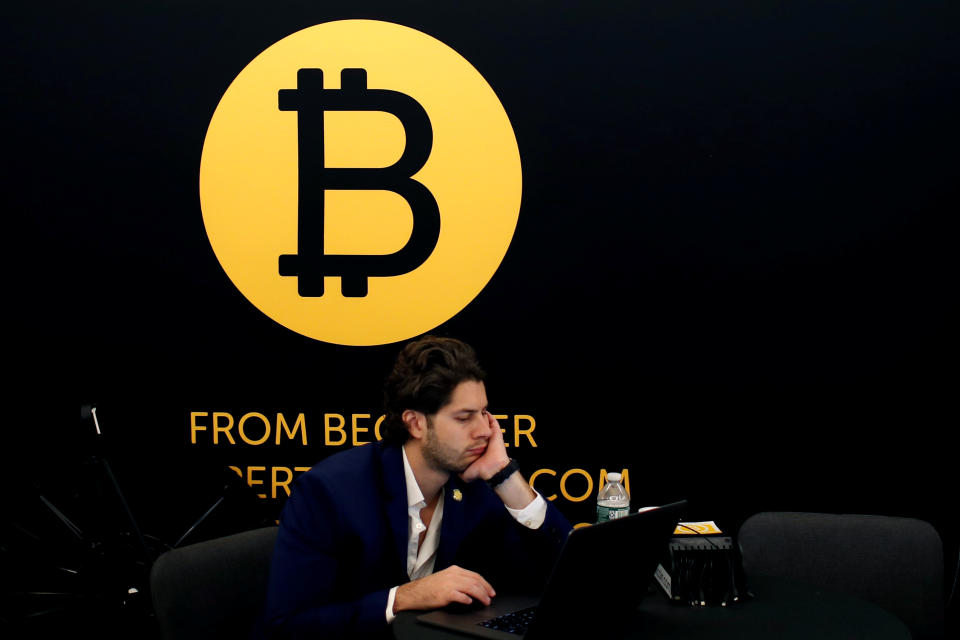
(611, 513)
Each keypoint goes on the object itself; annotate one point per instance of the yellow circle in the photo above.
(249, 182)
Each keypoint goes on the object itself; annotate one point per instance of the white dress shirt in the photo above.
(421, 557)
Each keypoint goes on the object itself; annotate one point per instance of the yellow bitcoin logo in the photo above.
(360, 182)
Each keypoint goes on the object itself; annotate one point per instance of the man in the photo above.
(435, 514)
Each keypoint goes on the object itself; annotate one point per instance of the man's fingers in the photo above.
(476, 576)
(496, 433)
(476, 587)
(476, 590)
(472, 584)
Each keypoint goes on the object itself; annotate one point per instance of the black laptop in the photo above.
(597, 583)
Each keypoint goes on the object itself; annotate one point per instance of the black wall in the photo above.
(733, 272)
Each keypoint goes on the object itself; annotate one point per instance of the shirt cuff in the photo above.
(391, 616)
(532, 515)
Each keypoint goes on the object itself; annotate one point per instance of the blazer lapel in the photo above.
(395, 490)
(455, 500)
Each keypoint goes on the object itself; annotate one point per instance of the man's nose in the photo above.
(481, 427)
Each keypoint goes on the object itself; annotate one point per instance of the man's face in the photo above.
(458, 432)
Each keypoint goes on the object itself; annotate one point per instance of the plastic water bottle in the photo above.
(612, 501)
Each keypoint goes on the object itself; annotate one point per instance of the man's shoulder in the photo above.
(351, 466)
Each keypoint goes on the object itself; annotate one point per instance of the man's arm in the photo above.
(525, 556)
(514, 490)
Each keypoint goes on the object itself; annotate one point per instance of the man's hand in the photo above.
(493, 459)
(453, 584)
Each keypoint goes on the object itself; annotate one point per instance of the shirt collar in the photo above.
(414, 494)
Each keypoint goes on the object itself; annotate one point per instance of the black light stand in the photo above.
(69, 563)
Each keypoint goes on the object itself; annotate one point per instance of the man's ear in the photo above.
(416, 423)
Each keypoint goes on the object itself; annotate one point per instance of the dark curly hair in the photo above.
(423, 378)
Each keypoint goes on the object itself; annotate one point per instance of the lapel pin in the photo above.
(457, 495)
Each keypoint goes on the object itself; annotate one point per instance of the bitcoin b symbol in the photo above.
(324, 205)
(311, 263)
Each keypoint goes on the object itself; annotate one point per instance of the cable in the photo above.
(703, 535)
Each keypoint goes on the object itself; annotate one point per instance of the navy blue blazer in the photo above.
(343, 539)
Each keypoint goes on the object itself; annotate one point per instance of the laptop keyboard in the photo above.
(515, 622)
